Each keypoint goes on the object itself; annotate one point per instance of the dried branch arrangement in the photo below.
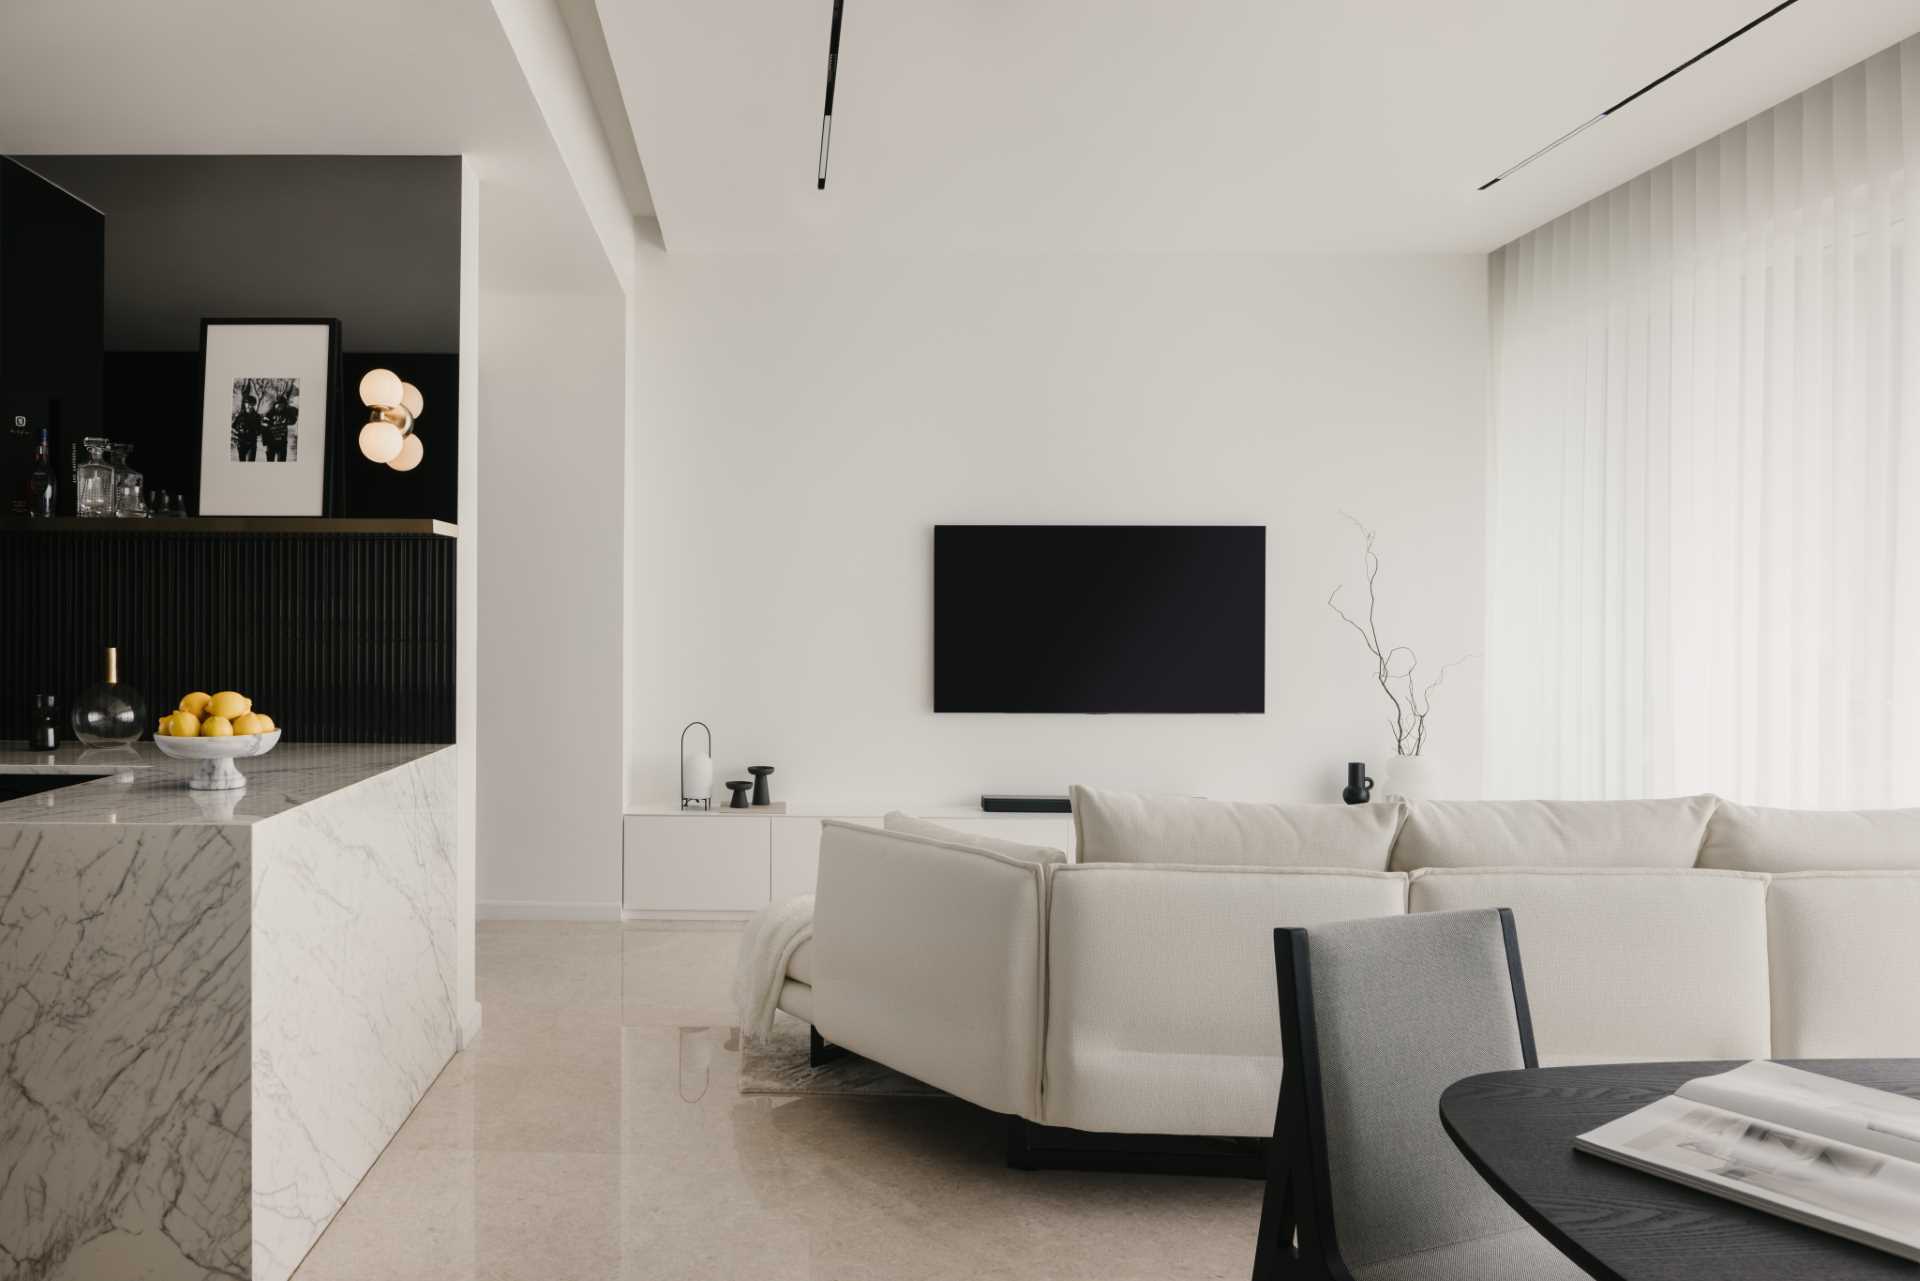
(1411, 700)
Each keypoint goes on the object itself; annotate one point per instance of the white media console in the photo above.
(726, 864)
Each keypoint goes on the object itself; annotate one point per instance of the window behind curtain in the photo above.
(1705, 540)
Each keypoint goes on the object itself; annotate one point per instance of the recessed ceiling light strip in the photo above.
(1648, 87)
(833, 70)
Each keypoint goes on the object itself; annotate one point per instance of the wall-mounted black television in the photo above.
(1099, 618)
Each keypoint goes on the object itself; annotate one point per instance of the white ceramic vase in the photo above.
(1412, 778)
(699, 774)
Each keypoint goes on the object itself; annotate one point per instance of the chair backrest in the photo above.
(1378, 1017)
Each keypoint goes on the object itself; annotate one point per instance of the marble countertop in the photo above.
(137, 785)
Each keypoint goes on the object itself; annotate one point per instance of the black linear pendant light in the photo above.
(826, 115)
(1568, 136)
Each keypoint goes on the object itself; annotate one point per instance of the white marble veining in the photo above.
(138, 785)
(353, 982)
(123, 1052)
(213, 1016)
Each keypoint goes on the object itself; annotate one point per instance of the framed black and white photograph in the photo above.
(269, 393)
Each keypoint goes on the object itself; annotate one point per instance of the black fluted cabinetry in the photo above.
(341, 631)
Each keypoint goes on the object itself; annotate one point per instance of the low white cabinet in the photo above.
(726, 865)
(697, 863)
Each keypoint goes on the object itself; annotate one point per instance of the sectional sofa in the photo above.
(1132, 991)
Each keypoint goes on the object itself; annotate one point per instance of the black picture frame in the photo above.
(331, 438)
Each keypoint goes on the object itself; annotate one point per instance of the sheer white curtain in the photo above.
(1705, 539)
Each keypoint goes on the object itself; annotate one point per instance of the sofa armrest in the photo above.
(929, 958)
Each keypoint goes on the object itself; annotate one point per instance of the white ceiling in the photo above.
(1348, 125)
(295, 77)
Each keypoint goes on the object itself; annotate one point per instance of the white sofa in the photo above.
(1132, 992)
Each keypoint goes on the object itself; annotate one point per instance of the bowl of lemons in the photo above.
(213, 730)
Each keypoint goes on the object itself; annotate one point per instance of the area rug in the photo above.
(778, 1065)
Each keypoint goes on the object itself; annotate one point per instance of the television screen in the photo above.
(1099, 618)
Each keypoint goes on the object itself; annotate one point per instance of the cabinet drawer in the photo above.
(697, 863)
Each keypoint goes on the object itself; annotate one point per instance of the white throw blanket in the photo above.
(773, 935)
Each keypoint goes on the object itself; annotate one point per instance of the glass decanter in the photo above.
(93, 480)
(109, 714)
(129, 486)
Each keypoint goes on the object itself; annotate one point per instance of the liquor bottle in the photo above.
(40, 482)
(93, 481)
(43, 735)
(129, 486)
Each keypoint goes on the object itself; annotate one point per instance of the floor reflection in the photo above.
(595, 1130)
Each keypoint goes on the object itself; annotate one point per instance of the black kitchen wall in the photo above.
(51, 322)
(372, 241)
(153, 403)
(338, 637)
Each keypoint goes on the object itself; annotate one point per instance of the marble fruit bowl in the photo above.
(215, 770)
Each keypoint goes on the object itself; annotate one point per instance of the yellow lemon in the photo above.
(251, 723)
(216, 727)
(227, 704)
(196, 703)
(183, 725)
(266, 722)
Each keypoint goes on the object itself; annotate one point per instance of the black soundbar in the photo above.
(1026, 805)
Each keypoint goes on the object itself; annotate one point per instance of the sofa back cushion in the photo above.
(1135, 827)
(899, 822)
(1625, 965)
(1660, 833)
(1161, 1007)
(1846, 964)
(1749, 838)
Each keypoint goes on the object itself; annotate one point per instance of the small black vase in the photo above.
(1359, 788)
(762, 795)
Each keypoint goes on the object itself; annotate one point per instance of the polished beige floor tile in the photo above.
(588, 1135)
(679, 976)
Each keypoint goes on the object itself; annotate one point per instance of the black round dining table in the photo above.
(1619, 1224)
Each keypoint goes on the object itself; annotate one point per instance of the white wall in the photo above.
(552, 478)
(801, 424)
(466, 608)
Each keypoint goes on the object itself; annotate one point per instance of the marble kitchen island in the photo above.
(216, 1008)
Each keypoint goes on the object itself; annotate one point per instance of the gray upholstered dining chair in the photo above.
(1377, 1017)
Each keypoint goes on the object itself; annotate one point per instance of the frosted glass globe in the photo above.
(411, 400)
(380, 387)
(411, 452)
(381, 441)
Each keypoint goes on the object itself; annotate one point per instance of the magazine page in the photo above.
(1865, 1196)
(1856, 1114)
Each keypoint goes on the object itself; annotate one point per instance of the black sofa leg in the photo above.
(1019, 1144)
(821, 1051)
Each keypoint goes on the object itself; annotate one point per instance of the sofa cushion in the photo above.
(1660, 833)
(800, 964)
(1627, 964)
(1749, 838)
(1161, 1008)
(1134, 827)
(899, 822)
(796, 998)
(1845, 964)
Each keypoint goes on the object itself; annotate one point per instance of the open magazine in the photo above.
(1835, 1156)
